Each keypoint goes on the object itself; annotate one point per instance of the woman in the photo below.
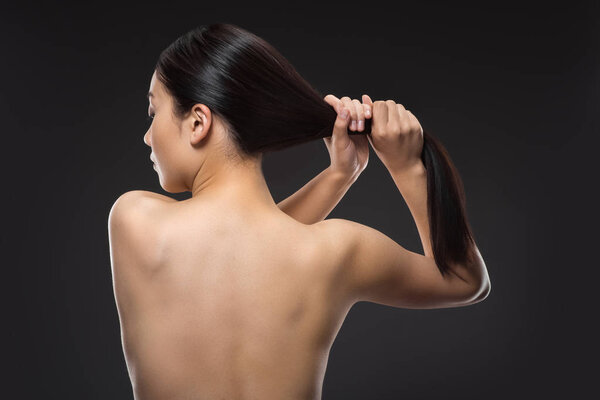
(228, 295)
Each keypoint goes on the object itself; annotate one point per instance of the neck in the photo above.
(243, 183)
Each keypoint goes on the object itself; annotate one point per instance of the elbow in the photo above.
(483, 286)
(485, 291)
(482, 292)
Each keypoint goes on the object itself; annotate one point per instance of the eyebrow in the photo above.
(150, 94)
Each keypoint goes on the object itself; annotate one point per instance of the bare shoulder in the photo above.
(373, 267)
(344, 235)
(142, 197)
(134, 226)
(338, 239)
(138, 208)
(136, 203)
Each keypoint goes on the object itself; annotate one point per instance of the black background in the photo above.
(511, 89)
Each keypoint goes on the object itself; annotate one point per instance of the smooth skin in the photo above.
(228, 295)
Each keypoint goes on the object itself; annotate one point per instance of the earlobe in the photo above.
(197, 132)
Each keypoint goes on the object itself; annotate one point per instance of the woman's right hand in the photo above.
(396, 135)
(349, 153)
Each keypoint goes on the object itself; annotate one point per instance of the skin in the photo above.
(267, 312)
(228, 295)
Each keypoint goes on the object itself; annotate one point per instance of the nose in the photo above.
(147, 138)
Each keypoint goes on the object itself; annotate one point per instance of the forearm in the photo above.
(315, 200)
(413, 187)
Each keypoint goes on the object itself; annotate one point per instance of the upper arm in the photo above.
(380, 270)
(133, 232)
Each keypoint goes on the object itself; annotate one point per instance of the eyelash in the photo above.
(149, 117)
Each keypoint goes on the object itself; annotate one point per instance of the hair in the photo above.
(266, 105)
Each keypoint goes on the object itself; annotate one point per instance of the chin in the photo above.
(170, 187)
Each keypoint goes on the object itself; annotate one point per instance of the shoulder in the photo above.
(138, 208)
(134, 225)
(137, 204)
(331, 231)
(135, 199)
(342, 234)
(338, 240)
(347, 239)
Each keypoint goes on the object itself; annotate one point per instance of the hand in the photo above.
(349, 154)
(396, 135)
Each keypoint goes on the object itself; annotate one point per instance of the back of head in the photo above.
(263, 101)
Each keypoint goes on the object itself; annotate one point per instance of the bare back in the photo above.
(238, 305)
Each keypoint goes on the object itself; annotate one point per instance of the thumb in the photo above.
(340, 128)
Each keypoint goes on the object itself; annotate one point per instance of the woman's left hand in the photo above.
(349, 153)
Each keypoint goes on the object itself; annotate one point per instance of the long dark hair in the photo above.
(266, 105)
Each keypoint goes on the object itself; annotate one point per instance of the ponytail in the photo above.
(451, 236)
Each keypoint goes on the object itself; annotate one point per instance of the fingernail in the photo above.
(368, 112)
(344, 113)
(361, 124)
(353, 125)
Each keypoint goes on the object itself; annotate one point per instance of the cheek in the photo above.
(163, 144)
(158, 141)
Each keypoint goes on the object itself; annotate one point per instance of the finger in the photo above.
(405, 121)
(380, 114)
(332, 101)
(367, 111)
(340, 128)
(360, 115)
(352, 108)
(414, 122)
(367, 106)
(401, 111)
(393, 114)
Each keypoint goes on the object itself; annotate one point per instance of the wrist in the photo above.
(416, 171)
(341, 177)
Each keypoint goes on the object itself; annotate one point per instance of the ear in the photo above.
(200, 121)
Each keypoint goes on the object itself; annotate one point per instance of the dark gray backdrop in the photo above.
(511, 90)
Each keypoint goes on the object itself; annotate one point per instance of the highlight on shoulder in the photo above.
(137, 201)
(146, 194)
(134, 226)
